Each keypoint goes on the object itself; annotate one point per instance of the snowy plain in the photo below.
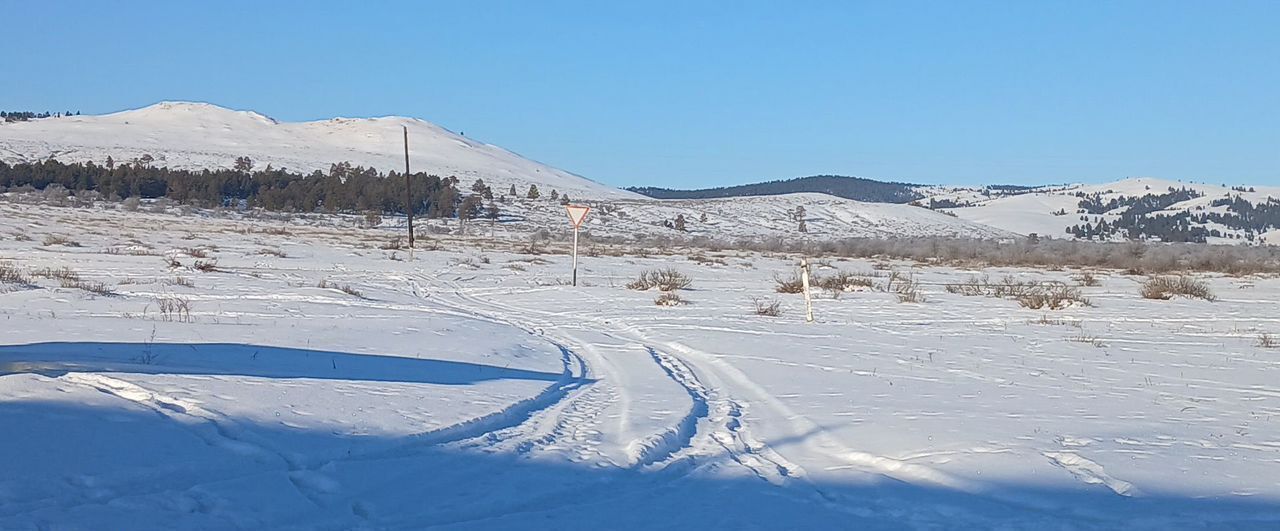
(318, 379)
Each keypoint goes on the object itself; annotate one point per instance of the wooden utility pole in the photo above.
(408, 190)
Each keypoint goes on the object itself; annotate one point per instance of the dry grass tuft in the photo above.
(663, 279)
(206, 266)
(791, 284)
(1168, 287)
(767, 307)
(173, 308)
(11, 274)
(345, 288)
(842, 281)
(55, 239)
(669, 298)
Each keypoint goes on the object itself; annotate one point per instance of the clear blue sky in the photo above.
(692, 94)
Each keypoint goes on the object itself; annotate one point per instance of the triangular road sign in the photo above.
(577, 214)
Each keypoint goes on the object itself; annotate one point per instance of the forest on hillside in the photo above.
(345, 188)
(855, 188)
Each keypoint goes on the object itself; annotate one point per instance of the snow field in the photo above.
(472, 388)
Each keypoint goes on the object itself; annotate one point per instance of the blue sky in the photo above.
(693, 94)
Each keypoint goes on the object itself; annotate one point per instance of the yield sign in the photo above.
(577, 214)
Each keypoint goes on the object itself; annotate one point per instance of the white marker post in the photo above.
(808, 299)
(576, 215)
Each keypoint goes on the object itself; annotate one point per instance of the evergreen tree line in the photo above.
(1244, 215)
(23, 116)
(1135, 223)
(855, 188)
(1138, 205)
(345, 188)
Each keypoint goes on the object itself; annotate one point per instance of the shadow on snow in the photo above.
(227, 359)
(69, 465)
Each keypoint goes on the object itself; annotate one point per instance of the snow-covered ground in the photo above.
(826, 217)
(473, 388)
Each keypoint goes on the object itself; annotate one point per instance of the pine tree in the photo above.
(533, 192)
(679, 224)
(512, 192)
(555, 195)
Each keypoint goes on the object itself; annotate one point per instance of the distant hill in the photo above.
(200, 136)
(855, 188)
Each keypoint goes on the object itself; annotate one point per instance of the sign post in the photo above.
(576, 215)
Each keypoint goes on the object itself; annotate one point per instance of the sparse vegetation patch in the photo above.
(1168, 287)
(663, 279)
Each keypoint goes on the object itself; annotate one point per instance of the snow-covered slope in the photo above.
(200, 135)
(826, 217)
(185, 135)
(1051, 210)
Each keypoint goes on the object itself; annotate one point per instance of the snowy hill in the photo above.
(183, 135)
(196, 136)
(825, 216)
(1148, 206)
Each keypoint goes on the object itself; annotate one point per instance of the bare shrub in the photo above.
(767, 307)
(972, 287)
(281, 231)
(791, 284)
(345, 288)
(1054, 297)
(1266, 340)
(206, 266)
(1087, 278)
(55, 239)
(663, 279)
(1045, 320)
(1087, 339)
(182, 281)
(842, 281)
(906, 288)
(63, 274)
(196, 252)
(1168, 287)
(174, 308)
(669, 298)
(272, 252)
(97, 288)
(395, 244)
(705, 260)
(1029, 294)
(1143, 257)
(11, 274)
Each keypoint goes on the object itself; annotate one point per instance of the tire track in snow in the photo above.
(222, 432)
(1089, 472)
(726, 433)
(723, 416)
(570, 415)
